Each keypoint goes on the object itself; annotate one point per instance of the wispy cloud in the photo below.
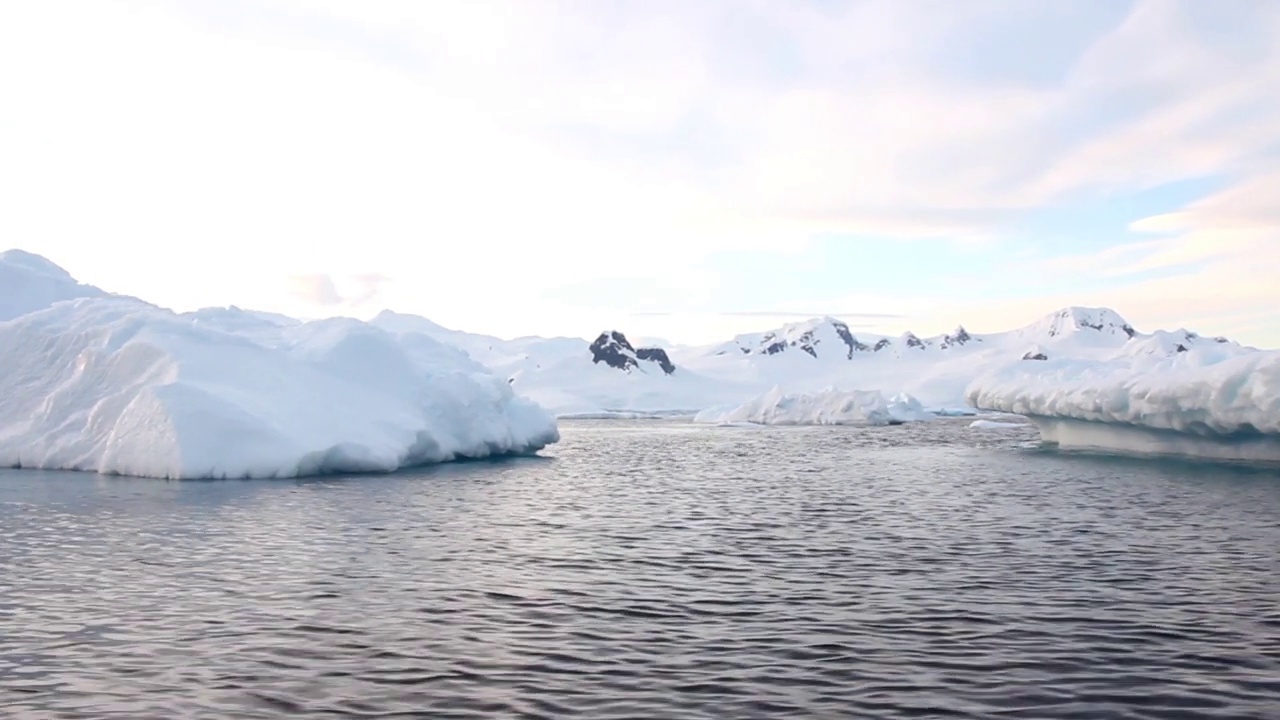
(322, 289)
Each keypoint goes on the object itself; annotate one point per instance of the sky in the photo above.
(670, 169)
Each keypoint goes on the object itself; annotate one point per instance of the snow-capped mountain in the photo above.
(613, 349)
(613, 374)
(827, 337)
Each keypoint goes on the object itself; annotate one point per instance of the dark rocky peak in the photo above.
(771, 345)
(851, 342)
(613, 349)
(1035, 355)
(884, 343)
(912, 341)
(806, 342)
(657, 355)
(959, 336)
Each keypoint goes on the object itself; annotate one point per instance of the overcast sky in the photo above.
(678, 169)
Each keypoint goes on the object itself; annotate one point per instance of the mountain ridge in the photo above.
(612, 374)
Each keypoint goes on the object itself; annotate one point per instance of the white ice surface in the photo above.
(29, 282)
(115, 385)
(1212, 399)
(827, 407)
(1215, 389)
(803, 357)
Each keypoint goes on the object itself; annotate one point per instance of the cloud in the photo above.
(485, 157)
(316, 289)
(323, 290)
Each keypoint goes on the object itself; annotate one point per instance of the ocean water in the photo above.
(655, 570)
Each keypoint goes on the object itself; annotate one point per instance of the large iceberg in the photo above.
(29, 282)
(830, 406)
(1215, 400)
(116, 385)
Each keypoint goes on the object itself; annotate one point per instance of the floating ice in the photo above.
(1215, 399)
(115, 385)
(827, 407)
(29, 282)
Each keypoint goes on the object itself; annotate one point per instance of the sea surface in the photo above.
(655, 570)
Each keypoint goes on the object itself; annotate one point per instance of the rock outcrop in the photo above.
(613, 349)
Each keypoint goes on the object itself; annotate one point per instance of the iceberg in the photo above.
(29, 282)
(118, 386)
(1217, 401)
(828, 407)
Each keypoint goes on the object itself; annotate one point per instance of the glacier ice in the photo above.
(830, 406)
(1158, 395)
(29, 282)
(119, 386)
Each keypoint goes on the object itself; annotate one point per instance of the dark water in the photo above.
(655, 570)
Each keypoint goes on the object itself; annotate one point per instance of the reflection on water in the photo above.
(655, 570)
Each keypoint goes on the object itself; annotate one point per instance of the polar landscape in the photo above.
(116, 385)
(113, 384)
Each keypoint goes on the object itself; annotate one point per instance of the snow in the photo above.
(1210, 398)
(116, 385)
(827, 407)
(824, 352)
(123, 373)
(29, 282)
(801, 358)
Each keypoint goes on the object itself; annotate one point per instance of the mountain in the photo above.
(614, 374)
(613, 349)
(572, 376)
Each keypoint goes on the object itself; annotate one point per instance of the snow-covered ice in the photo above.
(827, 407)
(572, 376)
(116, 385)
(29, 282)
(1077, 365)
(1168, 393)
(804, 358)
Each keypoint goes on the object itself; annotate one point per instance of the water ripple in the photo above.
(655, 570)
